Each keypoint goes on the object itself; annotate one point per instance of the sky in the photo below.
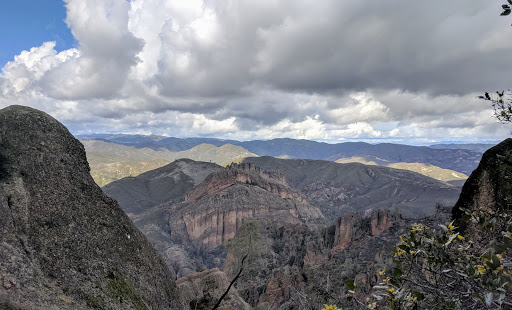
(327, 70)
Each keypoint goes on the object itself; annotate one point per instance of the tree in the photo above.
(506, 8)
(246, 247)
(502, 106)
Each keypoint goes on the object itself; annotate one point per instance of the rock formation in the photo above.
(63, 243)
(213, 211)
(246, 173)
(488, 187)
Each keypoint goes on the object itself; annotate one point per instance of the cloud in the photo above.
(107, 52)
(260, 69)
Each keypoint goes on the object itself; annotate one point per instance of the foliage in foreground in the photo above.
(442, 269)
(450, 267)
(502, 105)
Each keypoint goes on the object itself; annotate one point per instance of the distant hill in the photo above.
(434, 172)
(339, 188)
(477, 147)
(157, 142)
(431, 171)
(112, 161)
(357, 159)
(137, 194)
(459, 160)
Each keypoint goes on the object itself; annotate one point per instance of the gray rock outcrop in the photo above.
(63, 243)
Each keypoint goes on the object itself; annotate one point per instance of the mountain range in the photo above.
(115, 156)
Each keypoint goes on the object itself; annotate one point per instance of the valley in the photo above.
(311, 215)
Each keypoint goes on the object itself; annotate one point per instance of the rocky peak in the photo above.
(352, 227)
(63, 243)
(245, 173)
(251, 167)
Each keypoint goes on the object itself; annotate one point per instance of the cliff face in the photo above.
(63, 243)
(352, 228)
(214, 210)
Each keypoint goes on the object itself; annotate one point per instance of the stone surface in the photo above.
(63, 243)
(205, 288)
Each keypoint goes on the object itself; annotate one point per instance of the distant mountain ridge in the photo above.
(339, 188)
(112, 161)
(294, 148)
(113, 157)
(477, 147)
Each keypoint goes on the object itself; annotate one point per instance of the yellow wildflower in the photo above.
(329, 307)
(480, 269)
(451, 227)
(460, 237)
(419, 227)
(383, 271)
(391, 290)
(411, 298)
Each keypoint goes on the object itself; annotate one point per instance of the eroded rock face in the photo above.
(63, 243)
(381, 221)
(216, 218)
(352, 227)
(214, 210)
(282, 286)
